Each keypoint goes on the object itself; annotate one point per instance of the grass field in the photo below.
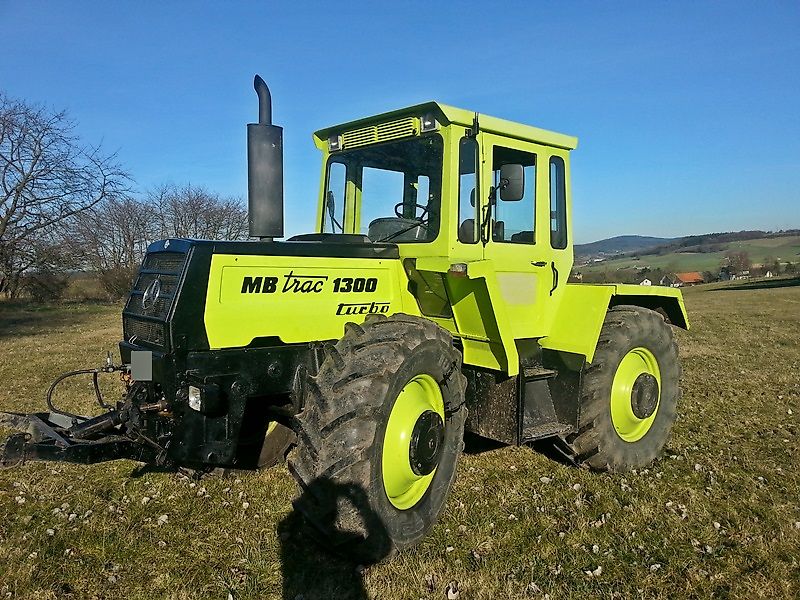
(786, 249)
(718, 515)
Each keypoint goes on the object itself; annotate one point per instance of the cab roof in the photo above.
(450, 115)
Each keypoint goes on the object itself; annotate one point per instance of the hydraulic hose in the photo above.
(62, 377)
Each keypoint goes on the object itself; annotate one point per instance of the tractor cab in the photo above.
(464, 197)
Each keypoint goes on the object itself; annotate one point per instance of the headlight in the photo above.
(194, 398)
(206, 399)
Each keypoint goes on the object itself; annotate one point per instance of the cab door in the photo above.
(517, 234)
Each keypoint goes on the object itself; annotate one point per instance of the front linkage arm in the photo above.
(59, 435)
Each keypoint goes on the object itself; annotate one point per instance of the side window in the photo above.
(515, 222)
(467, 183)
(335, 194)
(558, 204)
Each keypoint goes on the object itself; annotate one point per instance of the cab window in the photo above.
(396, 189)
(515, 222)
(334, 198)
(467, 184)
(558, 204)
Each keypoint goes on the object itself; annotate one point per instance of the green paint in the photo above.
(502, 292)
(636, 362)
(404, 488)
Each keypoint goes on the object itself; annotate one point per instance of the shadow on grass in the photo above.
(338, 516)
(476, 444)
(761, 284)
(21, 318)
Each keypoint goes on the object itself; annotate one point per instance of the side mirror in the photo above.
(512, 183)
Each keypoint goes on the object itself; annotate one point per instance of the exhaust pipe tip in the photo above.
(264, 101)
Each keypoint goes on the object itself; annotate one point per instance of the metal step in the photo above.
(537, 372)
(537, 432)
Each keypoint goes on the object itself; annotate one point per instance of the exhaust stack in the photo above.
(264, 170)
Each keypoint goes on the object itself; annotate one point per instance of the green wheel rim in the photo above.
(403, 486)
(635, 363)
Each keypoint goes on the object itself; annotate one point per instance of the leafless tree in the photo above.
(194, 212)
(111, 239)
(738, 260)
(47, 176)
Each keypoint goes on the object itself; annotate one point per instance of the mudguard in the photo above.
(580, 315)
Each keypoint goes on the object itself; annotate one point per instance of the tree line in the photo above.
(68, 206)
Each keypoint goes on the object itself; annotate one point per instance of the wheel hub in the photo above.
(635, 393)
(644, 395)
(426, 443)
(413, 442)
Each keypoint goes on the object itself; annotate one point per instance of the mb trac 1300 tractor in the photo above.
(431, 299)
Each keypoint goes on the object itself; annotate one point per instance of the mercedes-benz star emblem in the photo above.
(151, 294)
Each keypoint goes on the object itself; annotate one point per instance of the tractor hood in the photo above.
(198, 294)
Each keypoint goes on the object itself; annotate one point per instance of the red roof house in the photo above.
(691, 278)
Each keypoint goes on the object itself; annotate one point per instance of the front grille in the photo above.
(382, 132)
(137, 330)
(165, 262)
(145, 321)
(169, 283)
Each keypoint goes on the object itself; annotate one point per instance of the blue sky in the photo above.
(688, 113)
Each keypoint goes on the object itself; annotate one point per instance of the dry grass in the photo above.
(717, 516)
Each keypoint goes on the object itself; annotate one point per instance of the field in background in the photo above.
(785, 248)
(717, 516)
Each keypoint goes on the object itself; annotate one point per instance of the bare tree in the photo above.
(738, 261)
(111, 239)
(47, 175)
(194, 212)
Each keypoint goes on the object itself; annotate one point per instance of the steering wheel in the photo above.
(398, 207)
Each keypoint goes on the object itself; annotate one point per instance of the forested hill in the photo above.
(620, 243)
(643, 245)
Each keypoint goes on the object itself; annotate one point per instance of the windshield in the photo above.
(389, 192)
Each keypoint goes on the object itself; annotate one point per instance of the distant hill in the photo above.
(621, 244)
(699, 253)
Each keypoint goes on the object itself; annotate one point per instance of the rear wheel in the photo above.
(629, 392)
(380, 436)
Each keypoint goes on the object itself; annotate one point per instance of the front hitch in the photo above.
(59, 435)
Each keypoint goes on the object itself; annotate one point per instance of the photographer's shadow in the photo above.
(313, 573)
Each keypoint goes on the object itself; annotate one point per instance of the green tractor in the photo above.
(431, 299)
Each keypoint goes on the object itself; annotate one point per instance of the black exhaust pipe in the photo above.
(264, 170)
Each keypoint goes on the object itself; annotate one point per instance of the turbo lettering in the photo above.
(366, 308)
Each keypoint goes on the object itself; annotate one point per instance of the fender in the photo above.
(580, 315)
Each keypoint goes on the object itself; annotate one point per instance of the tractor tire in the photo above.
(379, 436)
(629, 392)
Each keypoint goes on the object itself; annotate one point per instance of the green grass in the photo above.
(785, 248)
(716, 516)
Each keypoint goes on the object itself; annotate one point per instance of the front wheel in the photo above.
(630, 392)
(380, 436)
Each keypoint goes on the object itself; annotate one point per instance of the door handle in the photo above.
(539, 263)
(555, 278)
